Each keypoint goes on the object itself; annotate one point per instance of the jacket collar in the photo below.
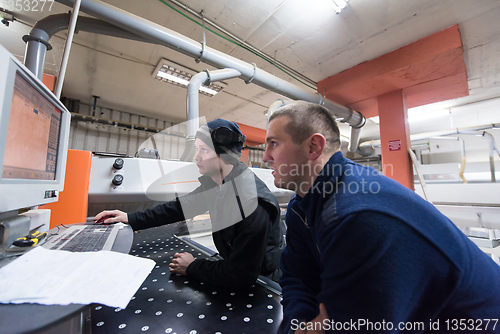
(237, 170)
(323, 187)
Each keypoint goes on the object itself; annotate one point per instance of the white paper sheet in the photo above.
(55, 277)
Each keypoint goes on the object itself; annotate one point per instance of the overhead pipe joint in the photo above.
(192, 106)
(492, 148)
(37, 41)
(272, 108)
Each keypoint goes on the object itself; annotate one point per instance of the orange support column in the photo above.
(395, 137)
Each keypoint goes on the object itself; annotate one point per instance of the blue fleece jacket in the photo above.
(374, 253)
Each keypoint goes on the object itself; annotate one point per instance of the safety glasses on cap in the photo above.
(225, 136)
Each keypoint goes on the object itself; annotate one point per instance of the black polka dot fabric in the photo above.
(171, 303)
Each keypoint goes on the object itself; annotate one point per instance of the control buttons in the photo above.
(118, 179)
(50, 194)
(118, 164)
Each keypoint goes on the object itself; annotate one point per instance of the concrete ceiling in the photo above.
(307, 36)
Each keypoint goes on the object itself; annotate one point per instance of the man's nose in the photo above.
(267, 156)
(197, 156)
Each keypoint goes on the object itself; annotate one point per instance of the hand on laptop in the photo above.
(111, 217)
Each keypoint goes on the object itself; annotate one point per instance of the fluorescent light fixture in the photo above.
(180, 77)
(171, 77)
(207, 90)
(338, 5)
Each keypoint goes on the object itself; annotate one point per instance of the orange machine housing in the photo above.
(255, 136)
(73, 200)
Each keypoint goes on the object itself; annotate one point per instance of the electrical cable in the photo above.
(236, 43)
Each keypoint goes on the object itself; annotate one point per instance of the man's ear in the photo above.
(317, 144)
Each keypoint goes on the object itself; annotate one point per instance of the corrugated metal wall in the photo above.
(118, 132)
(255, 156)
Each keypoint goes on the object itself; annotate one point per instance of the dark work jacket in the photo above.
(246, 228)
(374, 252)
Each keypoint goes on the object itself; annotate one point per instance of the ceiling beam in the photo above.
(430, 70)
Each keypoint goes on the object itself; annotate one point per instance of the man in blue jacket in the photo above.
(363, 252)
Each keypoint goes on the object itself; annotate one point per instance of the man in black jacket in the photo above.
(245, 215)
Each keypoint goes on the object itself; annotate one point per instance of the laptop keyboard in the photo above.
(92, 238)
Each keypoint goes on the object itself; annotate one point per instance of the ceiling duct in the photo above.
(249, 72)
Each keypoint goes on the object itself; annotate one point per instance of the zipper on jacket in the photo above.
(304, 221)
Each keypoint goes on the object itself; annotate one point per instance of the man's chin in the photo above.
(285, 185)
(279, 184)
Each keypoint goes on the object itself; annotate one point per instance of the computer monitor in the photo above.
(34, 133)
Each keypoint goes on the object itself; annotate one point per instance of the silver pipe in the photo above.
(354, 140)
(426, 135)
(192, 102)
(491, 141)
(37, 42)
(422, 145)
(491, 144)
(187, 46)
(34, 56)
(460, 140)
(192, 106)
(272, 108)
(96, 26)
(242, 42)
(492, 170)
(67, 48)
(364, 147)
(193, 93)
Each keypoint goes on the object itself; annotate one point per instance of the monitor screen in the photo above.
(32, 135)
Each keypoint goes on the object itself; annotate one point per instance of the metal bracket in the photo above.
(202, 53)
(361, 123)
(204, 42)
(351, 113)
(320, 99)
(253, 75)
(208, 75)
(27, 38)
